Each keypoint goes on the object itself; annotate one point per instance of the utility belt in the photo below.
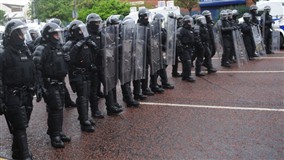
(53, 81)
(80, 71)
(15, 90)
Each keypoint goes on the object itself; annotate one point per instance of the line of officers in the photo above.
(229, 24)
(94, 54)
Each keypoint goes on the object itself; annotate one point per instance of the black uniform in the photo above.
(228, 44)
(186, 37)
(248, 38)
(52, 69)
(81, 69)
(17, 84)
(203, 44)
(267, 21)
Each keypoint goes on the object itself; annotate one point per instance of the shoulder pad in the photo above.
(39, 50)
(67, 46)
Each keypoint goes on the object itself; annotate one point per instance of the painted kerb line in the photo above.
(213, 107)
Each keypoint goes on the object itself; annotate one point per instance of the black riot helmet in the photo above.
(143, 16)
(52, 33)
(56, 20)
(194, 18)
(230, 14)
(200, 20)
(78, 30)
(93, 21)
(14, 33)
(235, 13)
(223, 15)
(267, 9)
(208, 16)
(253, 9)
(34, 34)
(247, 17)
(187, 21)
(114, 20)
(159, 17)
(179, 18)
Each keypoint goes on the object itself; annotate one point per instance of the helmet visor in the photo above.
(59, 35)
(83, 30)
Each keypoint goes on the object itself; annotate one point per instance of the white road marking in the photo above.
(250, 71)
(213, 107)
(259, 58)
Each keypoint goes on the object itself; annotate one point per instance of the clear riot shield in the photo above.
(110, 57)
(258, 41)
(218, 39)
(156, 57)
(139, 52)
(240, 51)
(171, 27)
(127, 50)
(275, 45)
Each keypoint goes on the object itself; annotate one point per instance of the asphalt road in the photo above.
(237, 113)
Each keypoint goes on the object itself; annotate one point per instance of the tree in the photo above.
(62, 9)
(189, 4)
(105, 8)
(43, 9)
(2, 18)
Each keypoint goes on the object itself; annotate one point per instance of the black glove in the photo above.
(66, 57)
(80, 43)
(38, 95)
(1, 107)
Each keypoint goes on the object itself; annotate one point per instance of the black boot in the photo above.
(176, 74)
(86, 126)
(113, 110)
(167, 85)
(157, 89)
(65, 138)
(148, 92)
(56, 142)
(22, 146)
(140, 97)
(211, 70)
(97, 114)
(188, 79)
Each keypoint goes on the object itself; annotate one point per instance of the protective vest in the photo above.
(18, 67)
(54, 65)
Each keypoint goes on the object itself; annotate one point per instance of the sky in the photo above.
(20, 2)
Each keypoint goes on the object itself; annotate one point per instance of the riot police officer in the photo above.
(202, 41)
(266, 20)
(93, 22)
(253, 13)
(52, 69)
(116, 20)
(234, 25)
(17, 84)
(248, 36)
(210, 26)
(98, 36)
(186, 37)
(143, 19)
(227, 38)
(81, 67)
